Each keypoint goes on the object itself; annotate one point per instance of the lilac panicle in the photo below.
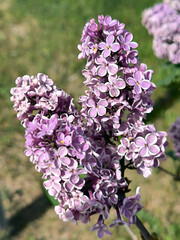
(163, 22)
(118, 95)
(38, 94)
(83, 155)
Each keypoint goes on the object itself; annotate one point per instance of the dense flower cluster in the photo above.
(163, 22)
(83, 155)
(175, 4)
(174, 134)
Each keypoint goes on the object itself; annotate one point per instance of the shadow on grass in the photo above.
(172, 94)
(28, 214)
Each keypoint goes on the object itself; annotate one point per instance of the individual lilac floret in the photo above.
(138, 82)
(174, 134)
(109, 46)
(126, 41)
(163, 21)
(131, 205)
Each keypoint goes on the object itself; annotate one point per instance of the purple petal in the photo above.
(65, 161)
(68, 186)
(131, 81)
(113, 69)
(103, 103)
(92, 112)
(80, 184)
(138, 76)
(120, 84)
(47, 184)
(137, 89)
(144, 152)
(81, 171)
(125, 142)
(108, 19)
(73, 163)
(114, 92)
(52, 192)
(140, 141)
(100, 60)
(154, 149)
(101, 110)
(128, 37)
(126, 47)
(90, 103)
(62, 151)
(101, 70)
(100, 233)
(55, 171)
(133, 44)
(151, 139)
(145, 84)
(102, 45)
(106, 53)
(102, 87)
(57, 186)
(110, 40)
(74, 179)
(129, 155)
(121, 150)
(65, 174)
(114, 199)
(115, 47)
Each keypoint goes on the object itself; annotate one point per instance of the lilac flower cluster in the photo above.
(175, 4)
(119, 93)
(83, 155)
(174, 134)
(163, 22)
(38, 94)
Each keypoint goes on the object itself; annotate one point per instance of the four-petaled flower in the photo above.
(97, 109)
(106, 66)
(148, 145)
(127, 41)
(109, 46)
(138, 82)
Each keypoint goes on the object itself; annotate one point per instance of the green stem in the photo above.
(122, 167)
(144, 232)
(172, 174)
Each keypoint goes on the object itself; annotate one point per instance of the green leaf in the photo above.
(82, 175)
(51, 199)
(172, 73)
(172, 155)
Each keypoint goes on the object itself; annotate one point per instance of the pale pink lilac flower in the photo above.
(109, 46)
(162, 21)
(174, 134)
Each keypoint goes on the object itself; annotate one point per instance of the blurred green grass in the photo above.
(42, 36)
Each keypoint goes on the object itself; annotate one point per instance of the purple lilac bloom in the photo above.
(109, 46)
(131, 205)
(82, 155)
(163, 21)
(175, 4)
(138, 82)
(174, 134)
